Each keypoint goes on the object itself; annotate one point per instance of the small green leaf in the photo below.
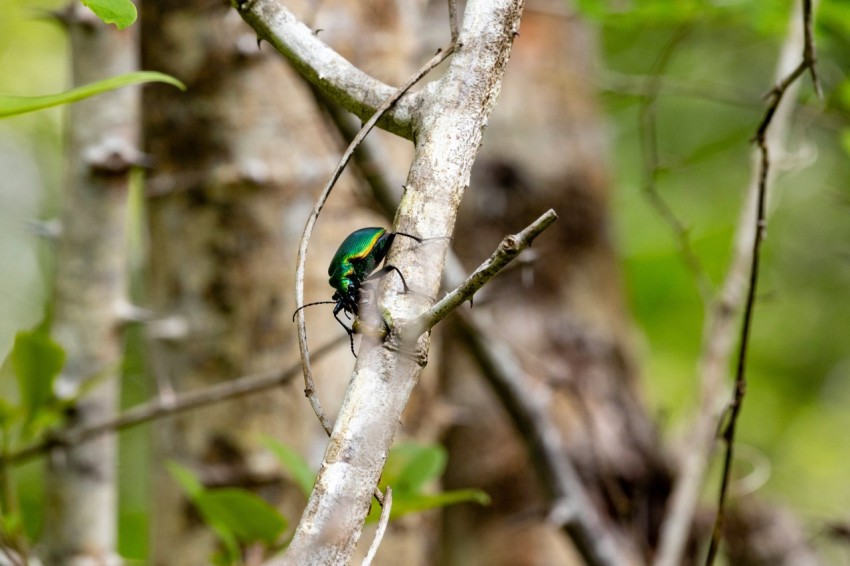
(405, 503)
(410, 466)
(8, 414)
(292, 461)
(242, 513)
(122, 13)
(230, 554)
(845, 140)
(36, 361)
(412, 503)
(12, 105)
(186, 478)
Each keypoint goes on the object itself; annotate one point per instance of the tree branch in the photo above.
(162, 407)
(353, 89)
(571, 510)
(449, 130)
(653, 166)
(507, 251)
(309, 385)
(527, 405)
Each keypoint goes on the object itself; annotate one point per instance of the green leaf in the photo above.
(12, 105)
(122, 13)
(293, 463)
(36, 361)
(845, 140)
(8, 414)
(236, 515)
(230, 554)
(186, 478)
(410, 466)
(406, 503)
(242, 513)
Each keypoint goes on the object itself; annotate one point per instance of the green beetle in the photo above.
(353, 264)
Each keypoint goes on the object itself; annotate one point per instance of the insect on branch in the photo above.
(309, 385)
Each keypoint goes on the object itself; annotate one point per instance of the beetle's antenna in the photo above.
(310, 305)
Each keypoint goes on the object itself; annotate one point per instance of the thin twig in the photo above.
(508, 250)
(453, 20)
(162, 407)
(382, 527)
(809, 52)
(309, 385)
(718, 339)
(653, 166)
(760, 228)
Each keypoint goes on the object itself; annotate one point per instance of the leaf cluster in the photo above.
(241, 518)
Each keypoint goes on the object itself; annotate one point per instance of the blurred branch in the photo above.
(653, 165)
(644, 86)
(328, 70)
(91, 273)
(528, 404)
(163, 407)
(718, 335)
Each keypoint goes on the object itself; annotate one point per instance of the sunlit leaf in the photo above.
(410, 465)
(13, 105)
(122, 13)
(242, 513)
(424, 463)
(186, 478)
(293, 463)
(36, 361)
(236, 515)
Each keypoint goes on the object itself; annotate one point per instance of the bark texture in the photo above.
(233, 169)
(449, 129)
(91, 266)
(239, 160)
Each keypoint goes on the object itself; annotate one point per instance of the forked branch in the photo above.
(335, 76)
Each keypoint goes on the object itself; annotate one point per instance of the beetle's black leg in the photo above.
(420, 240)
(384, 271)
(411, 236)
(348, 331)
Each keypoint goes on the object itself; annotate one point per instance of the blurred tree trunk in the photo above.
(91, 273)
(240, 159)
(562, 313)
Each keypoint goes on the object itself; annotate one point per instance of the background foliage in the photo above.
(708, 105)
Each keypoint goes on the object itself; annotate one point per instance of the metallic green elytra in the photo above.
(353, 264)
(357, 257)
